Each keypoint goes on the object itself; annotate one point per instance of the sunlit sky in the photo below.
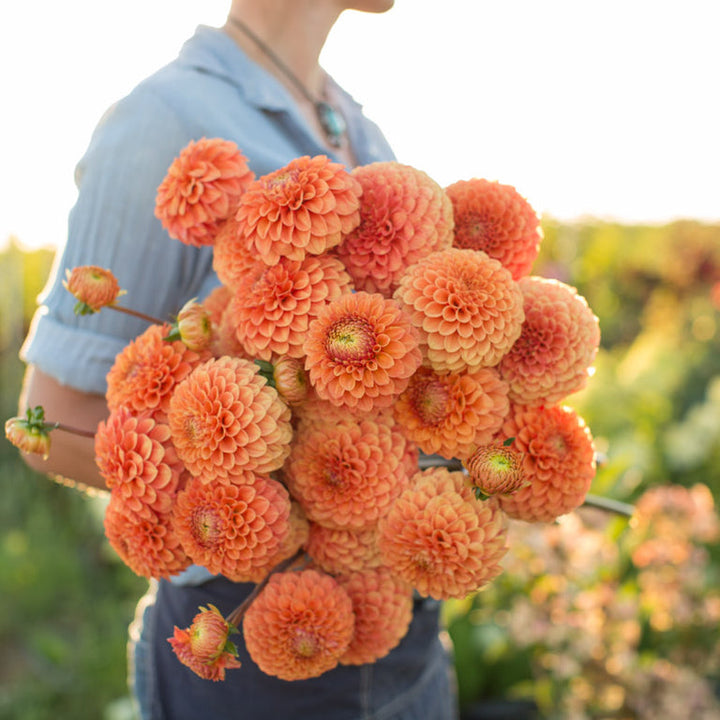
(609, 109)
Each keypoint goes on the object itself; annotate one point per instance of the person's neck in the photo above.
(296, 30)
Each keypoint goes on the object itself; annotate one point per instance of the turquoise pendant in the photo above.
(333, 123)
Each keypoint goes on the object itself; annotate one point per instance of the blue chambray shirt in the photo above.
(212, 89)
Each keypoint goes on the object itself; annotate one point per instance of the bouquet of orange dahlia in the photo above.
(351, 416)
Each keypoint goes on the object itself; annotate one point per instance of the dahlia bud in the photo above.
(496, 469)
(290, 379)
(194, 326)
(93, 288)
(31, 435)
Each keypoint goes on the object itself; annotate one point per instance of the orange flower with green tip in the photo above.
(93, 287)
(30, 434)
(497, 469)
(205, 646)
(192, 326)
(291, 380)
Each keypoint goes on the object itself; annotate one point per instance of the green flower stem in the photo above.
(609, 505)
(69, 429)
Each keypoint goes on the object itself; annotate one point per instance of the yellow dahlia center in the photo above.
(351, 340)
(304, 643)
(500, 463)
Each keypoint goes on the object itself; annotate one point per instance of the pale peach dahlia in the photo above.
(147, 370)
(495, 218)
(232, 529)
(300, 625)
(225, 419)
(451, 414)
(340, 551)
(442, 540)
(232, 261)
(559, 461)
(404, 215)
(345, 475)
(136, 457)
(560, 337)
(201, 189)
(301, 209)
(274, 306)
(467, 307)
(383, 607)
(361, 351)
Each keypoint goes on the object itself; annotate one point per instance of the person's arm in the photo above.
(71, 457)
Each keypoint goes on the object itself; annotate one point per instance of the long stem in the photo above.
(609, 505)
(70, 429)
(236, 615)
(137, 314)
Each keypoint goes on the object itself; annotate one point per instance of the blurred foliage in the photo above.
(595, 617)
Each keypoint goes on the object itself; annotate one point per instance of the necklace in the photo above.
(331, 120)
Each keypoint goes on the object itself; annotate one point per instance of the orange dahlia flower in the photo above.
(93, 287)
(291, 380)
(274, 307)
(496, 219)
(299, 626)
(145, 542)
(137, 459)
(216, 302)
(225, 419)
(383, 608)
(467, 307)
(441, 539)
(340, 551)
(404, 215)
(232, 261)
(560, 337)
(205, 646)
(345, 475)
(452, 414)
(201, 189)
(147, 370)
(232, 529)
(225, 340)
(496, 469)
(361, 351)
(559, 461)
(303, 208)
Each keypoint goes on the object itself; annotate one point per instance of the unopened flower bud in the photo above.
(496, 469)
(291, 380)
(30, 434)
(194, 326)
(93, 287)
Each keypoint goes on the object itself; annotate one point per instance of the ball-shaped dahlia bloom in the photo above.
(383, 605)
(136, 458)
(496, 469)
(304, 208)
(225, 419)
(559, 341)
(300, 625)
(467, 307)
(93, 287)
(274, 307)
(451, 414)
(205, 646)
(361, 351)
(340, 551)
(147, 370)
(147, 542)
(404, 215)
(496, 219)
(346, 475)
(232, 261)
(201, 190)
(441, 539)
(559, 461)
(216, 302)
(232, 529)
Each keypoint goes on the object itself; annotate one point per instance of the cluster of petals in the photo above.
(147, 371)
(204, 647)
(560, 337)
(361, 351)
(496, 219)
(232, 529)
(275, 305)
(441, 539)
(303, 208)
(346, 475)
(340, 551)
(467, 307)
(404, 215)
(300, 625)
(559, 461)
(93, 287)
(496, 469)
(137, 460)
(232, 260)
(146, 542)
(383, 606)
(225, 419)
(452, 413)
(216, 302)
(201, 190)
